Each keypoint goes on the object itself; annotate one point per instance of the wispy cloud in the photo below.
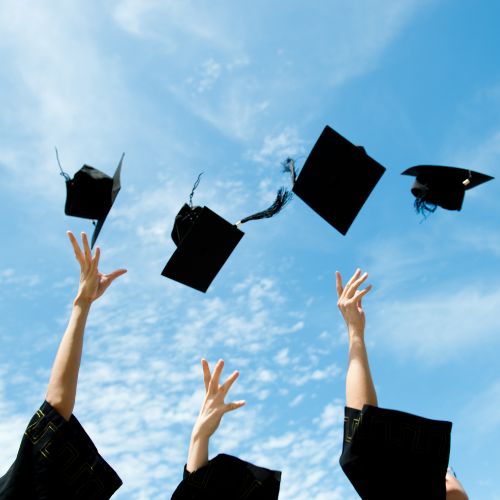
(9, 277)
(482, 413)
(440, 325)
(13, 425)
(222, 79)
(277, 147)
(74, 106)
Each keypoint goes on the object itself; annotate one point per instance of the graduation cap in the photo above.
(91, 194)
(229, 477)
(336, 179)
(437, 185)
(205, 241)
(392, 454)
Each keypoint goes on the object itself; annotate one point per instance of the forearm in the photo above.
(198, 452)
(360, 389)
(61, 391)
(454, 489)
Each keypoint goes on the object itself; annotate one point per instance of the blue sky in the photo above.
(232, 88)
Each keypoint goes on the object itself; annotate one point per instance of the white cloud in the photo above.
(282, 357)
(210, 73)
(480, 240)
(303, 375)
(317, 449)
(236, 81)
(487, 154)
(12, 427)
(481, 414)
(332, 416)
(277, 147)
(441, 325)
(67, 93)
(174, 24)
(296, 400)
(12, 278)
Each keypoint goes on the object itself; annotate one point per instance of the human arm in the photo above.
(211, 413)
(61, 391)
(360, 389)
(454, 489)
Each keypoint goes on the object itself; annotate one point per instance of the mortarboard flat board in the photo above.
(437, 185)
(204, 242)
(91, 194)
(228, 477)
(391, 454)
(336, 179)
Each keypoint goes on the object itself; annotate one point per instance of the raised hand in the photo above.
(214, 407)
(349, 300)
(359, 386)
(93, 283)
(211, 413)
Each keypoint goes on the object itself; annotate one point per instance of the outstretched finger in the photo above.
(76, 248)
(234, 405)
(362, 293)
(95, 260)
(213, 386)
(354, 285)
(86, 248)
(353, 278)
(360, 280)
(338, 281)
(229, 382)
(206, 373)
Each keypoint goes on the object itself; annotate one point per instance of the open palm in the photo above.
(93, 283)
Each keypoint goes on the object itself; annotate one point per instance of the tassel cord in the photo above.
(63, 173)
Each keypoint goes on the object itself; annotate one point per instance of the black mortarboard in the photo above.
(392, 455)
(229, 477)
(91, 194)
(437, 185)
(205, 241)
(336, 179)
(58, 460)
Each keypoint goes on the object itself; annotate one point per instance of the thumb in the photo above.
(234, 406)
(115, 274)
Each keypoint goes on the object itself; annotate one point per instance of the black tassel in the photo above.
(282, 198)
(194, 189)
(289, 166)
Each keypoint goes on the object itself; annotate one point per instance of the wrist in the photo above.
(356, 332)
(198, 452)
(82, 301)
(197, 436)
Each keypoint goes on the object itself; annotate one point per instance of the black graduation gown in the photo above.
(57, 460)
(228, 477)
(390, 454)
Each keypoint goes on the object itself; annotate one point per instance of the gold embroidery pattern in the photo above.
(350, 427)
(75, 470)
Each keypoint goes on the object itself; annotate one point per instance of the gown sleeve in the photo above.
(392, 454)
(226, 476)
(57, 460)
